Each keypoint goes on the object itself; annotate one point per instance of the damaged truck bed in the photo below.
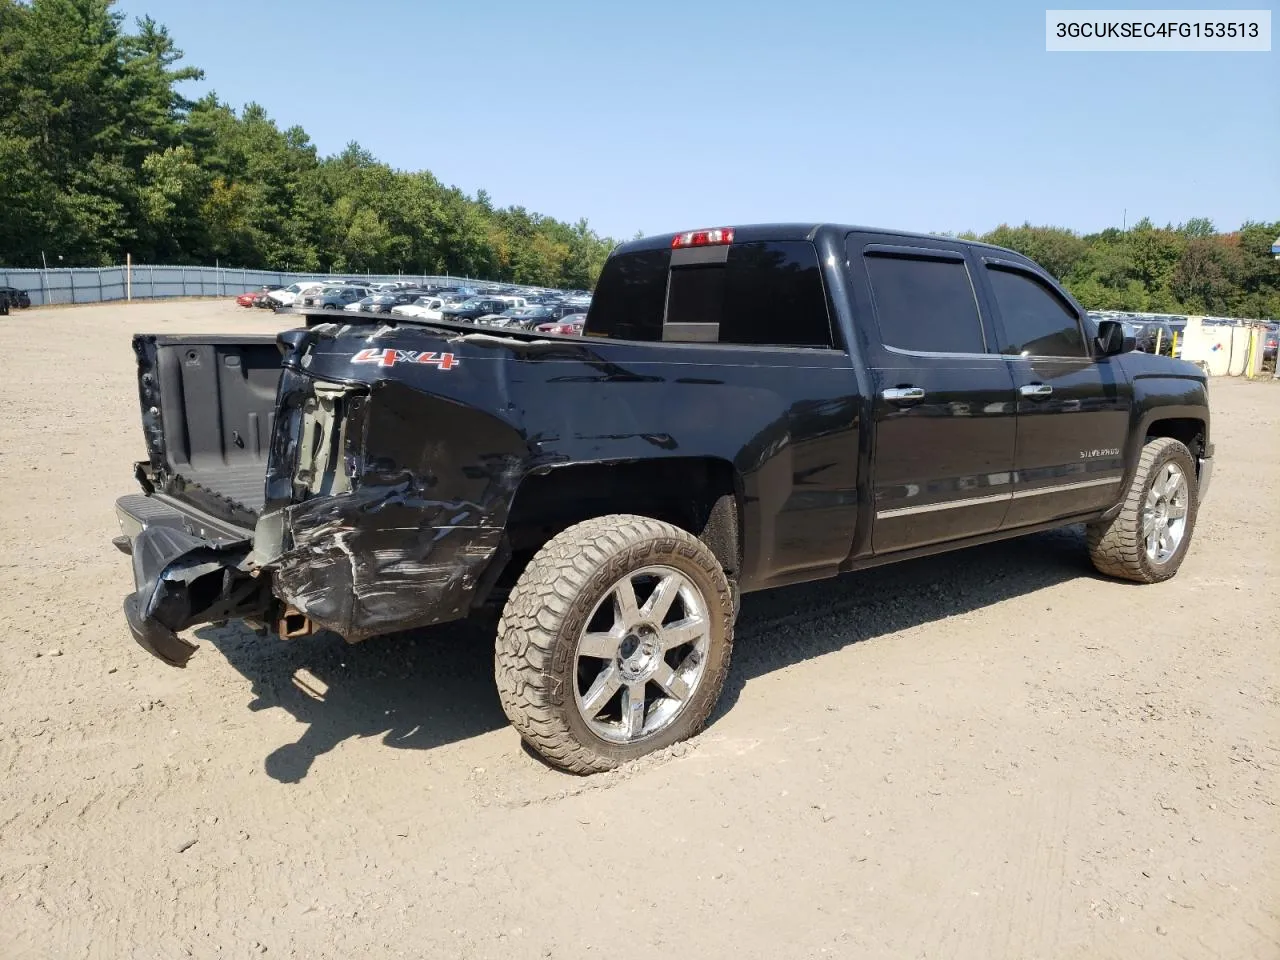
(306, 500)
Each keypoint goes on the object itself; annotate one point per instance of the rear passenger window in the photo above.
(1036, 321)
(774, 294)
(763, 294)
(925, 306)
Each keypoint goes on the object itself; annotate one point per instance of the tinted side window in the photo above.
(774, 294)
(925, 305)
(763, 294)
(1037, 323)
(630, 296)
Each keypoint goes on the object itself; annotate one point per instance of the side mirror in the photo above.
(1113, 338)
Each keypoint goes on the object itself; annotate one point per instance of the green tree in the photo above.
(1056, 249)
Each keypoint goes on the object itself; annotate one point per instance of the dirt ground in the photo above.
(985, 755)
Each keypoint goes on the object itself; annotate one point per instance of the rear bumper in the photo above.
(187, 569)
(137, 512)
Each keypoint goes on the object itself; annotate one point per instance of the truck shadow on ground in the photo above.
(428, 688)
(777, 628)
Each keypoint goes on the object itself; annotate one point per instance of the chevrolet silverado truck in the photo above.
(747, 408)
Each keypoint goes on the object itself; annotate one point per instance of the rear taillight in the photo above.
(702, 238)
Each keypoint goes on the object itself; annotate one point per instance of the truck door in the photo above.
(1073, 409)
(944, 407)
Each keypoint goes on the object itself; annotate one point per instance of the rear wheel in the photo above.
(614, 643)
(1148, 539)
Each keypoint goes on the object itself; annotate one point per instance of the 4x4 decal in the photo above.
(389, 358)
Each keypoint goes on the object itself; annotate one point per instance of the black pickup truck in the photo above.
(747, 408)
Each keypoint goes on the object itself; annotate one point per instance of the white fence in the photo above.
(145, 282)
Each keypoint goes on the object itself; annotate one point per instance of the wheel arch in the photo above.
(1186, 423)
(1165, 407)
(1192, 432)
(703, 495)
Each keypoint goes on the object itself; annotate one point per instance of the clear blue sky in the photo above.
(662, 115)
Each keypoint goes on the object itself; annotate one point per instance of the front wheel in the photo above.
(614, 643)
(1148, 539)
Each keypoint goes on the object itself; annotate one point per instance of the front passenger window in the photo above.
(1036, 321)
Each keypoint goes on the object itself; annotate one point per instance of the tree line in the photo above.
(102, 154)
(1190, 268)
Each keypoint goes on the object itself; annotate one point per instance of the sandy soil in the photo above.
(985, 755)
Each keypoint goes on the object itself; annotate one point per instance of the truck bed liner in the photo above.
(215, 396)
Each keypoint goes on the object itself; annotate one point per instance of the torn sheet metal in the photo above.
(388, 524)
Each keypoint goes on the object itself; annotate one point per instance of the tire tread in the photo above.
(1116, 547)
(535, 612)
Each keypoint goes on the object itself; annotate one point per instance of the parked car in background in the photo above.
(290, 295)
(384, 302)
(339, 297)
(311, 297)
(254, 298)
(472, 309)
(333, 296)
(563, 308)
(1155, 336)
(1270, 341)
(423, 308)
(518, 318)
(572, 324)
(16, 297)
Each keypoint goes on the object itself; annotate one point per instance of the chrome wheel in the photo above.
(641, 655)
(1164, 516)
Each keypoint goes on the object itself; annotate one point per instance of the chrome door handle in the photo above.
(1035, 390)
(903, 394)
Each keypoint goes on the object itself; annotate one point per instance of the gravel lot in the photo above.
(984, 755)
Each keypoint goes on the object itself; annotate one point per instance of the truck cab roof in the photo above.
(761, 232)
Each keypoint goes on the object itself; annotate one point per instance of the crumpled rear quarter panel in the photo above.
(433, 480)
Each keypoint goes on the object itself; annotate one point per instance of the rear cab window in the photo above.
(760, 293)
